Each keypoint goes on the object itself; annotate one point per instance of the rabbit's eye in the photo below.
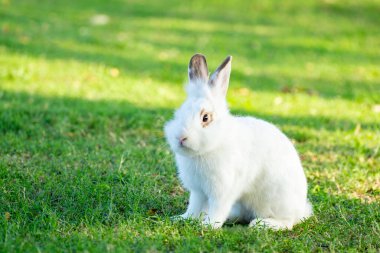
(205, 118)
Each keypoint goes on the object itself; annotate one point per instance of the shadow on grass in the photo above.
(358, 13)
(73, 161)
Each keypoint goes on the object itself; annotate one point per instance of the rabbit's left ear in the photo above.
(220, 79)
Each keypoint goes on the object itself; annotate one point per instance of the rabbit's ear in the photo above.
(198, 68)
(221, 77)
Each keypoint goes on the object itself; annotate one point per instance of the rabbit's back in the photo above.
(279, 178)
(268, 148)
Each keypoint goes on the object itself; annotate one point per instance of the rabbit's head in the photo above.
(199, 125)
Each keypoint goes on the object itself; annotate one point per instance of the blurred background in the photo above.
(326, 48)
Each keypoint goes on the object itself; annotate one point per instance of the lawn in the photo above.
(86, 87)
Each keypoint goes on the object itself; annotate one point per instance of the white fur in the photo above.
(236, 167)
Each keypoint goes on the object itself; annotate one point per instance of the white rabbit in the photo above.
(234, 167)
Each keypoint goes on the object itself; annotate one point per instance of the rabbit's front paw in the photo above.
(179, 217)
(213, 224)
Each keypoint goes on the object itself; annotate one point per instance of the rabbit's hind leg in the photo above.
(275, 224)
(239, 214)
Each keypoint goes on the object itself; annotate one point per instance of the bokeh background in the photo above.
(86, 87)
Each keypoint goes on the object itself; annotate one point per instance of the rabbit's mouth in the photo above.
(186, 150)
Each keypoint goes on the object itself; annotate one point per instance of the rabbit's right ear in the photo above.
(198, 68)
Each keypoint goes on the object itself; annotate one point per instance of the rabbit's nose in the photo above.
(182, 140)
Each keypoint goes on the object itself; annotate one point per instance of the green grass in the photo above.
(83, 162)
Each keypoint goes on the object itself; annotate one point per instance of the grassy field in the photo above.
(86, 87)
